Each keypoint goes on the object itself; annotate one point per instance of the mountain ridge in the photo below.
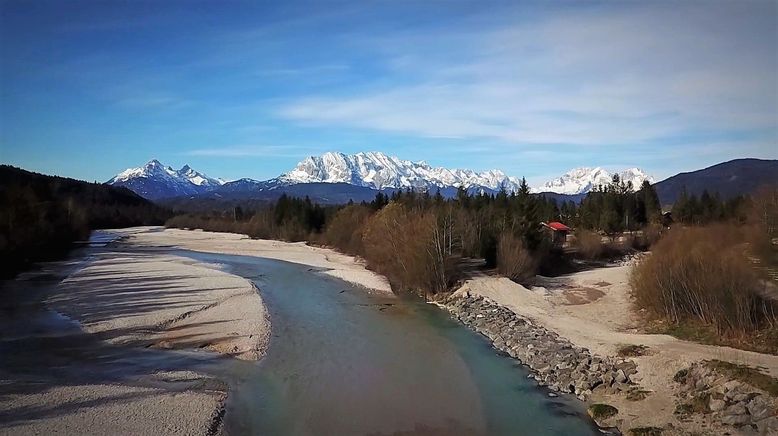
(337, 177)
(155, 180)
(380, 171)
(584, 179)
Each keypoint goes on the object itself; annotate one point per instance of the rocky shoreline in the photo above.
(554, 361)
(704, 391)
(713, 401)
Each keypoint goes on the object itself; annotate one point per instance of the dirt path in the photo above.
(593, 309)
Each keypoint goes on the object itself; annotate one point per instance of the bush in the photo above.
(345, 230)
(645, 431)
(702, 275)
(407, 247)
(514, 260)
(589, 244)
(601, 411)
(681, 375)
(650, 236)
(746, 374)
(632, 350)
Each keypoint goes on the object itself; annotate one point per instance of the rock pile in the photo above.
(554, 361)
(729, 402)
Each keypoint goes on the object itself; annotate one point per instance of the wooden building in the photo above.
(557, 232)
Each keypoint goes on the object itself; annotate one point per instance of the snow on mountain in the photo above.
(155, 180)
(583, 180)
(378, 171)
(372, 170)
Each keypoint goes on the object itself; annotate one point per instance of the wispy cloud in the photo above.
(303, 71)
(626, 76)
(237, 151)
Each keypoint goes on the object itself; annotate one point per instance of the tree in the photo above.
(649, 201)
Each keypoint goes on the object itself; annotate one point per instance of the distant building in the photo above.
(558, 232)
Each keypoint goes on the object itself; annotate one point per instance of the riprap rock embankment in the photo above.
(554, 361)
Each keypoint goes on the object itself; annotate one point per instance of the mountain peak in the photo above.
(377, 170)
(584, 179)
(155, 180)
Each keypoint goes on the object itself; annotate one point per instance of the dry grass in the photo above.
(698, 404)
(632, 350)
(702, 275)
(602, 411)
(637, 395)
(645, 431)
(514, 260)
(745, 374)
(589, 244)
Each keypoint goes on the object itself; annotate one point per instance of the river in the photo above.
(341, 361)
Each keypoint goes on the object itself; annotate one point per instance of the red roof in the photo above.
(558, 226)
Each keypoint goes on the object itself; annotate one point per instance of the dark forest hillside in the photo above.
(41, 216)
(728, 179)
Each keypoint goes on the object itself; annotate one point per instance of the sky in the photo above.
(248, 89)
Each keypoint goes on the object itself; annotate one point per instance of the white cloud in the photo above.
(633, 75)
(235, 151)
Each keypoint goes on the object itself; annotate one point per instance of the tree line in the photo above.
(41, 216)
(419, 239)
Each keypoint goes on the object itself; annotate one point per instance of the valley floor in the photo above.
(141, 294)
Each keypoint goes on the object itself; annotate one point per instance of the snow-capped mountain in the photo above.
(328, 175)
(378, 171)
(154, 181)
(583, 180)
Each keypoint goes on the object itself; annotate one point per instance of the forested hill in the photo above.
(728, 179)
(41, 216)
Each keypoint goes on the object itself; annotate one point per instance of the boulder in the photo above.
(716, 405)
(735, 409)
(736, 420)
(760, 408)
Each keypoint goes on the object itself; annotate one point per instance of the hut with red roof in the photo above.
(558, 232)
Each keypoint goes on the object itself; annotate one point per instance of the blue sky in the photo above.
(247, 89)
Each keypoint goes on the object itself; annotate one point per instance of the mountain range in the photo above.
(583, 180)
(372, 170)
(338, 177)
(379, 171)
(154, 181)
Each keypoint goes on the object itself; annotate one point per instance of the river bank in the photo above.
(571, 329)
(56, 377)
(321, 260)
(82, 343)
(344, 359)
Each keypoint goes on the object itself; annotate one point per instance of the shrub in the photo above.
(645, 431)
(703, 275)
(408, 249)
(600, 411)
(514, 260)
(589, 244)
(698, 404)
(746, 374)
(651, 235)
(345, 230)
(632, 350)
(637, 394)
(681, 375)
